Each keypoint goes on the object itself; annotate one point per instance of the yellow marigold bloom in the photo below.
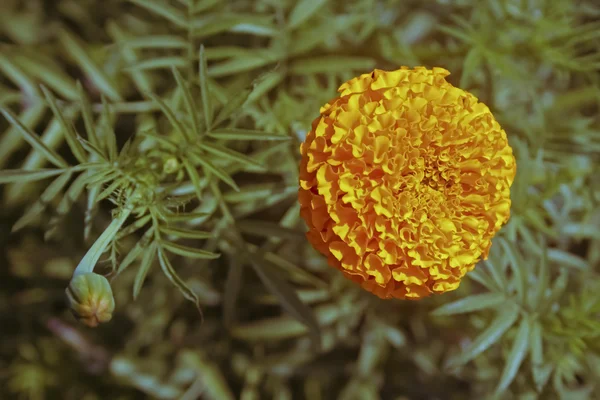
(404, 180)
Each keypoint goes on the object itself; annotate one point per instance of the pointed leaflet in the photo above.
(67, 128)
(206, 103)
(218, 171)
(143, 269)
(95, 73)
(286, 294)
(138, 224)
(472, 303)
(34, 140)
(156, 42)
(189, 252)
(164, 10)
(173, 119)
(194, 177)
(69, 198)
(483, 278)
(516, 356)
(159, 63)
(518, 266)
(22, 175)
(232, 105)
(38, 207)
(88, 116)
(108, 134)
(503, 321)
(303, 10)
(135, 252)
(185, 233)
(170, 273)
(189, 102)
(229, 154)
(543, 275)
(245, 134)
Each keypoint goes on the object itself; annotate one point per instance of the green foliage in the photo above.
(157, 142)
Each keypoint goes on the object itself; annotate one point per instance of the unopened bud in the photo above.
(90, 298)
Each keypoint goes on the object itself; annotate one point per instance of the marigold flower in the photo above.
(90, 298)
(404, 180)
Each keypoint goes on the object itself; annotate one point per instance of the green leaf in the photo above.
(164, 10)
(245, 134)
(46, 70)
(491, 335)
(138, 224)
(331, 64)
(18, 77)
(245, 63)
(233, 284)
(269, 229)
(67, 128)
(194, 177)
(159, 63)
(483, 278)
(34, 140)
(173, 119)
(88, 117)
(303, 10)
(40, 205)
(189, 102)
(186, 233)
(108, 134)
(156, 42)
(210, 167)
(66, 203)
(543, 275)
(136, 251)
(170, 273)
(143, 269)
(189, 252)
(11, 140)
(516, 356)
(471, 63)
(233, 104)
(566, 259)
(205, 93)
(96, 74)
(229, 154)
(518, 266)
(471, 303)
(286, 294)
(21, 175)
(539, 370)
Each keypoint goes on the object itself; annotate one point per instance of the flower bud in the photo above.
(90, 298)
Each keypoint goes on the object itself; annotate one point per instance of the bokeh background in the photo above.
(524, 325)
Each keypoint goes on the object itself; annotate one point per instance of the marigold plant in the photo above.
(404, 181)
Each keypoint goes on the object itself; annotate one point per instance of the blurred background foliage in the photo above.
(170, 129)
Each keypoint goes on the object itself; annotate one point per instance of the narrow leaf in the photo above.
(206, 103)
(303, 10)
(503, 321)
(331, 64)
(231, 106)
(66, 203)
(137, 250)
(21, 175)
(189, 102)
(189, 252)
(67, 128)
(34, 140)
(194, 177)
(156, 42)
(269, 230)
(471, 303)
(40, 205)
(245, 134)
(186, 233)
(173, 119)
(96, 74)
(219, 172)
(143, 269)
(229, 154)
(88, 116)
(516, 356)
(164, 10)
(170, 273)
(159, 63)
(108, 134)
(518, 266)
